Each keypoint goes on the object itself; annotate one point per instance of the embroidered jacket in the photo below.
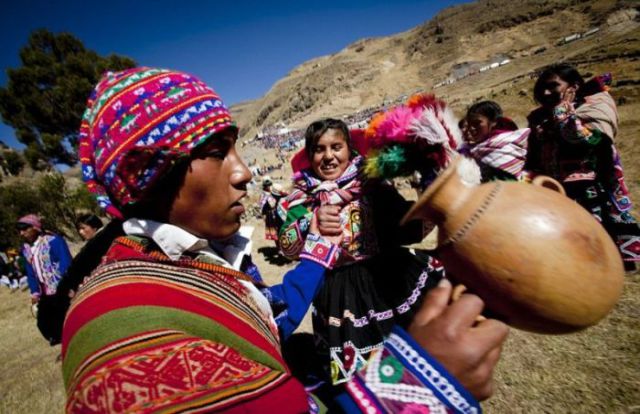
(47, 259)
(365, 229)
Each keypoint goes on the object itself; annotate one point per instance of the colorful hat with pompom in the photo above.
(137, 125)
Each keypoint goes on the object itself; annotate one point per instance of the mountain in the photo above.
(458, 41)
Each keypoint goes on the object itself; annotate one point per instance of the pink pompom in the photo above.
(396, 126)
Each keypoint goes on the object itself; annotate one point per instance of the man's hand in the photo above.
(469, 350)
(329, 220)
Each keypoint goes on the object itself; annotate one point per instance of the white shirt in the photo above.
(175, 241)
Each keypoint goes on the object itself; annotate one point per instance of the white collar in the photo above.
(175, 241)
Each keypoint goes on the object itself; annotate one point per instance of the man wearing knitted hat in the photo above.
(47, 257)
(176, 317)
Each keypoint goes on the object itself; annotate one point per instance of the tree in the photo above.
(12, 162)
(45, 98)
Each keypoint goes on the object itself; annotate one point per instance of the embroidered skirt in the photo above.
(271, 225)
(358, 305)
(619, 223)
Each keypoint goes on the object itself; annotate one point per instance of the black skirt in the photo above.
(359, 303)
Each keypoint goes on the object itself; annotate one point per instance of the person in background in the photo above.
(13, 272)
(47, 257)
(271, 194)
(573, 140)
(494, 141)
(4, 270)
(87, 225)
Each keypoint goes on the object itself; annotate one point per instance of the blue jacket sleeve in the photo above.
(291, 299)
(34, 286)
(60, 253)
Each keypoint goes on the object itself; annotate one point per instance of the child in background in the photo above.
(88, 225)
(495, 142)
(4, 269)
(16, 269)
(374, 282)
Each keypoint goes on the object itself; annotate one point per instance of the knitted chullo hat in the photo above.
(138, 124)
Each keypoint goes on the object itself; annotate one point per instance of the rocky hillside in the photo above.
(458, 41)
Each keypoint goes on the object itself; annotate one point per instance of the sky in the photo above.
(240, 48)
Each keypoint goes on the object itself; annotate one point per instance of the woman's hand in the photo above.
(469, 350)
(329, 220)
(569, 95)
(313, 228)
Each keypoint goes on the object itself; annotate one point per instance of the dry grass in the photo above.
(594, 371)
(30, 379)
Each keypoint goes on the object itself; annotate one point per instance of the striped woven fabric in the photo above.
(147, 335)
(505, 151)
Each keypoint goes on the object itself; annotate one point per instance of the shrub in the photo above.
(12, 162)
(51, 198)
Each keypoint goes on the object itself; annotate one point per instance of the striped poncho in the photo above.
(146, 334)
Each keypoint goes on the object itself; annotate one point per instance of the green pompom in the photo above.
(393, 162)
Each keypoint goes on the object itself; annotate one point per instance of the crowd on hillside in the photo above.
(286, 139)
(164, 308)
